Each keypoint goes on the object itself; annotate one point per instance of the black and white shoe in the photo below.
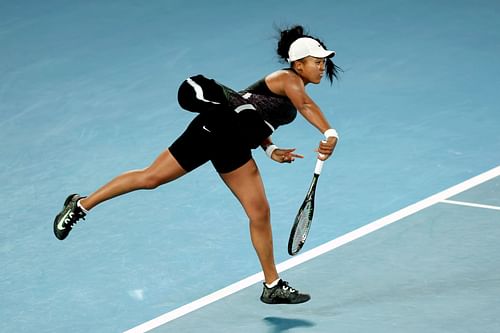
(282, 293)
(68, 217)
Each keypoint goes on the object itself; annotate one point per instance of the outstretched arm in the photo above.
(295, 90)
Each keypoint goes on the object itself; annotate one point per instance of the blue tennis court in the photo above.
(433, 268)
(406, 221)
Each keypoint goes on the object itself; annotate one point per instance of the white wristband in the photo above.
(270, 149)
(331, 132)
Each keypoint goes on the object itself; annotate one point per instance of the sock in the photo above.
(81, 207)
(273, 284)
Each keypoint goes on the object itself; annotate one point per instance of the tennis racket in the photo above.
(303, 220)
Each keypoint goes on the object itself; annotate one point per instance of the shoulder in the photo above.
(283, 81)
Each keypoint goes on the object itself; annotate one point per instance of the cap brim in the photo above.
(323, 54)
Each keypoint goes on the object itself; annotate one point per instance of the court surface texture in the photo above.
(407, 220)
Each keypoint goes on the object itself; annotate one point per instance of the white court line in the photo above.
(306, 256)
(470, 204)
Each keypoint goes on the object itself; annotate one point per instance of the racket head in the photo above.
(301, 226)
(303, 219)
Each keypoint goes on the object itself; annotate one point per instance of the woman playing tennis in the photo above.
(228, 125)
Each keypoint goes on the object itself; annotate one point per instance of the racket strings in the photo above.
(302, 230)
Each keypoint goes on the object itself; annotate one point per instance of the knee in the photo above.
(149, 180)
(260, 213)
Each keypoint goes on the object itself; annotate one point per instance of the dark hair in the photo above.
(288, 36)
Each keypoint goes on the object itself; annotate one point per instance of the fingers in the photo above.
(287, 155)
(323, 157)
(326, 148)
(294, 155)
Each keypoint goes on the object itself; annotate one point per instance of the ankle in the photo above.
(80, 204)
(273, 283)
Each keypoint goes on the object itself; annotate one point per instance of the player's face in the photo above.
(312, 69)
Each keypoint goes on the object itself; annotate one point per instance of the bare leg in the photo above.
(163, 170)
(246, 184)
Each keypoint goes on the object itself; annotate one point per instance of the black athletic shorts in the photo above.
(208, 139)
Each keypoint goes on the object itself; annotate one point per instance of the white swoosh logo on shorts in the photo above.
(206, 129)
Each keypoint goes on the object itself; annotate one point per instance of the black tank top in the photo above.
(259, 111)
(275, 109)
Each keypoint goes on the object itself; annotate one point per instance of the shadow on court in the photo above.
(279, 324)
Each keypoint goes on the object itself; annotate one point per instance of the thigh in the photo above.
(191, 148)
(246, 184)
(165, 168)
(229, 155)
(212, 137)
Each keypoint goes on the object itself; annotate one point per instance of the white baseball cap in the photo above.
(307, 46)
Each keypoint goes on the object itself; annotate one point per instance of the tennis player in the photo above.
(227, 126)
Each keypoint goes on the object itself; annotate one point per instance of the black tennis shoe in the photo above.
(282, 293)
(68, 217)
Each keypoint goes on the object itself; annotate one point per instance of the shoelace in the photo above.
(286, 287)
(74, 217)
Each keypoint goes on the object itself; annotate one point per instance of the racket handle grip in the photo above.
(319, 163)
(319, 166)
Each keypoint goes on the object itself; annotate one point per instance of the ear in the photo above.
(298, 66)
